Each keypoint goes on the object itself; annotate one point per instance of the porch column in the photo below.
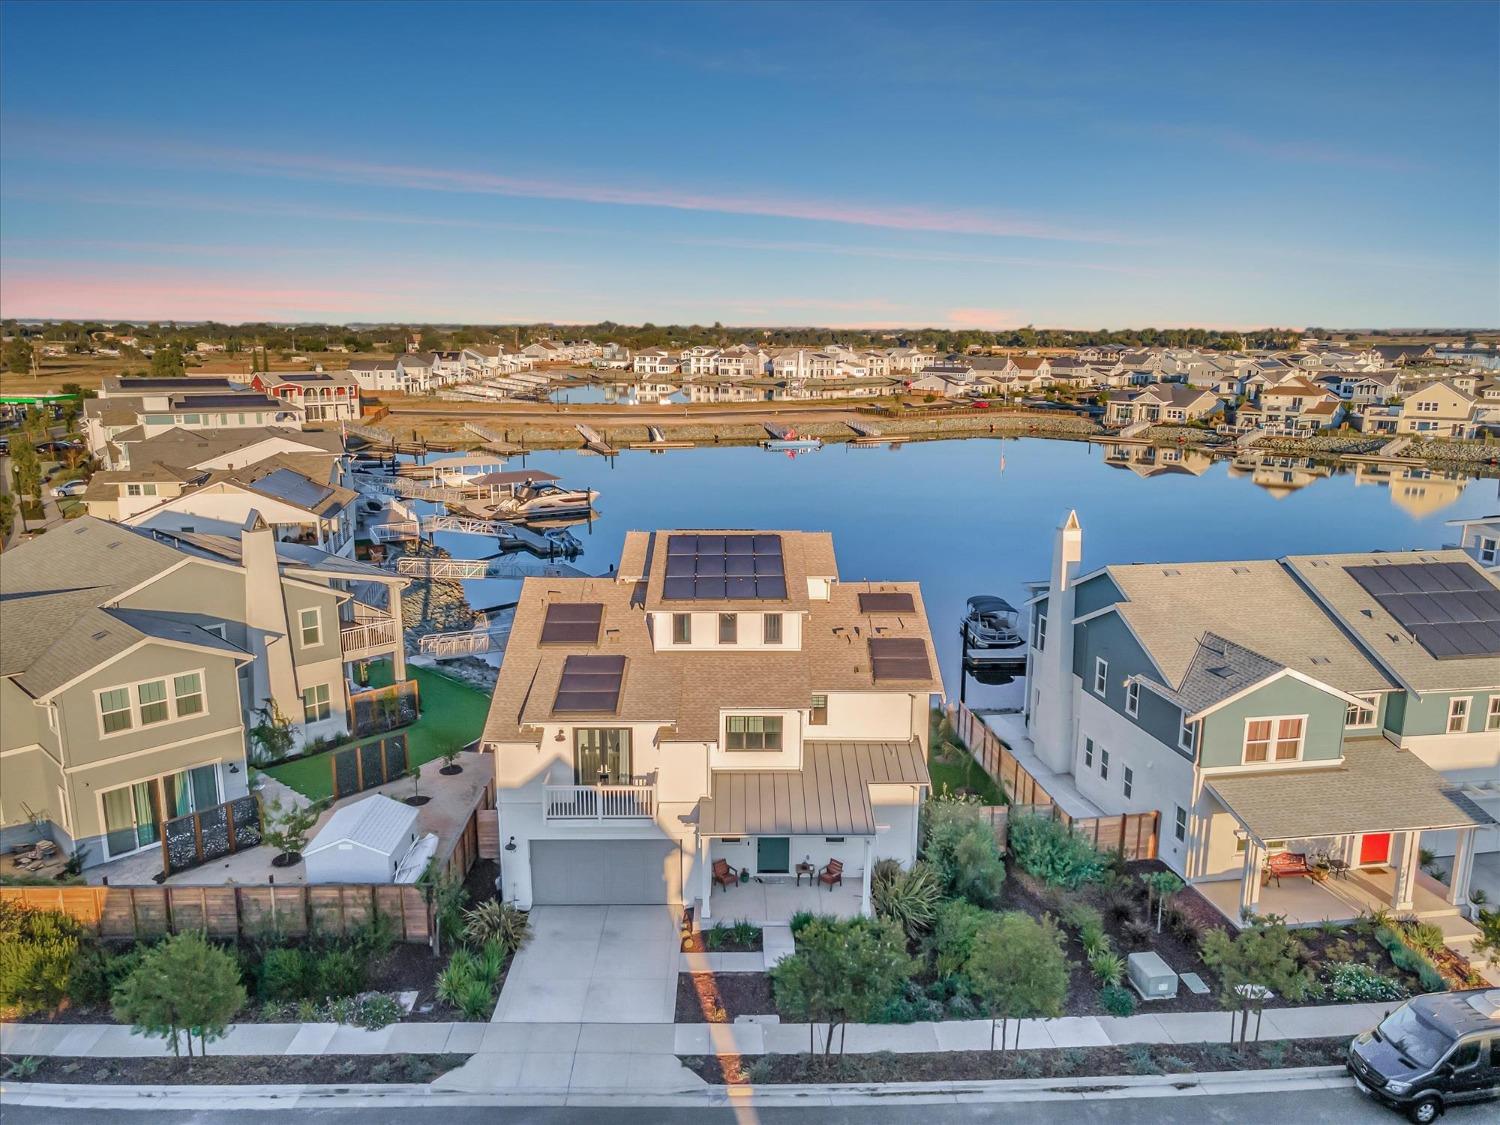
(1463, 869)
(1255, 858)
(705, 876)
(398, 658)
(1406, 873)
(864, 891)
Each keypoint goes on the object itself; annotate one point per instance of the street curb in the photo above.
(1097, 1088)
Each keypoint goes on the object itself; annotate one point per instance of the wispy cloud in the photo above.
(1291, 150)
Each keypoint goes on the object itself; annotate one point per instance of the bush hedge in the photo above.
(1048, 850)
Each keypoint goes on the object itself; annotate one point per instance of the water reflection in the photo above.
(620, 394)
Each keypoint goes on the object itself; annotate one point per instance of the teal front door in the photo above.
(773, 855)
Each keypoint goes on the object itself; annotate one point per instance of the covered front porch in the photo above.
(1328, 844)
(771, 900)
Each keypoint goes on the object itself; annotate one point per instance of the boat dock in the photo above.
(866, 434)
(659, 441)
(502, 530)
(494, 441)
(1391, 453)
(784, 437)
(594, 441)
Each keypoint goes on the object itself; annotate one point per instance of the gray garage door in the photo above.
(612, 872)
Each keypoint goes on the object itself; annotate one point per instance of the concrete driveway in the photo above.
(595, 964)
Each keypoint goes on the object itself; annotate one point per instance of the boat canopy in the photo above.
(988, 603)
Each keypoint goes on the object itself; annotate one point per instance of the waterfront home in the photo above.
(376, 375)
(722, 703)
(1480, 538)
(318, 397)
(299, 508)
(1296, 407)
(1163, 403)
(1314, 706)
(655, 361)
(132, 669)
(134, 408)
(1438, 409)
(119, 494)
(1400, 355)
(415, 370)
(315, 452)
(951, 379)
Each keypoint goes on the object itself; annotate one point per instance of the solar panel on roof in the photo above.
(590, 684)
(1452, 609)
(724, 567)
(898, 602)
(899, 658)
(572, 623)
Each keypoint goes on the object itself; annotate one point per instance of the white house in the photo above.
(724, 697)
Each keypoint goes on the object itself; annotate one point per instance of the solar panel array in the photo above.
(572, 623)
(590, 684)
(1451, 608)
(724, 568)
(899, 658)
(899, 602)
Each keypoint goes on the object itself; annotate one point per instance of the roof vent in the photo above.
(1171, 573)
(1320, 562)
(100, 635)
(1321, 660)
(1239, 570)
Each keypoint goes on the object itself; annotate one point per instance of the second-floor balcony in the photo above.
(597, 803)
(372, 636)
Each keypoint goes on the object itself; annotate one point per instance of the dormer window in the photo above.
(729, 628)
(753, 732)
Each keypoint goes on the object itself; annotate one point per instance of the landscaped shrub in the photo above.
(1350, 982)
(908, 898)
(843, 971)
(800, 921)
(183, 984)
(497, 921)
(101, 970)
(491, 963)
(1054, 854)
(1403, 956)
(960, 845)
(287, 974)
(1108, 967)
(957, 926)
(40, 950)
(339, 972)
(1117, 1001)
(1425, 937)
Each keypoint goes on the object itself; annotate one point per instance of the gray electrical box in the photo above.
(1151, 976)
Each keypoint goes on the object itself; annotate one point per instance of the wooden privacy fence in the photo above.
(381, 709)
(234, 911)
(1131, 835)
(197, 837)
(357, 768)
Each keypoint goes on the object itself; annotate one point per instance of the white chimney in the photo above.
(1050, 689)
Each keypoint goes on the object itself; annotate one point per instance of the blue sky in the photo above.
(1079, 165)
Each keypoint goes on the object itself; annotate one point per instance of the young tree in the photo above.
(286, 829)
(1160, 886)
(183, 984)
(272, 732)
(843, 971)
(1260, 960)
(1018, 972)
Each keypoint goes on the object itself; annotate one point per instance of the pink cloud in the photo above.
(988, 319)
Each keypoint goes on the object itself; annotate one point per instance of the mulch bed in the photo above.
(695, 943)
(238, 1070)
(1054, 1062)
(720, 997)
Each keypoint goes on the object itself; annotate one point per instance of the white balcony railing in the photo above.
(599, 802)
(360, 639)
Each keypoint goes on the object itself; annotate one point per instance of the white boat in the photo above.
(543, 500)
(991, 623)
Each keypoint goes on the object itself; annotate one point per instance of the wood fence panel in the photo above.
(489, 833)
(116, 912)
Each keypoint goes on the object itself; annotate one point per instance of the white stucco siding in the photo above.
(789, 757)
(867, 717)
(749, 633)
(1476, 750)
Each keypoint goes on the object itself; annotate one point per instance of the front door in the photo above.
(1374, 849)
(773, 855)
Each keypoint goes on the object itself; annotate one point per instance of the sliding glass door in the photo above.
(133, 813)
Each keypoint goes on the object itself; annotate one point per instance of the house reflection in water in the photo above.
(1155, 461)
(1415, 489)
(1280, 476)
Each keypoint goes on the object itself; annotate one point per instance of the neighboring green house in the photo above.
(1339, 707)
(131, 668)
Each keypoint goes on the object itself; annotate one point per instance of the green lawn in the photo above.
(952, 766)
(452, 715)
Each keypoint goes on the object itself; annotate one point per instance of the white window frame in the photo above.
(317, 703)
(1179, 824)
(1127, 781)
(765, 629)
(1374, 710)
(781, 733)
(686, 620)
(1101, 676)
(1489, 550)
(1103, 764)
(133, 693)
(1492, 714)
(1133, 698)
(1273, 738)
(1185, 734)
(316, 628)
(1088, 753)
(1456, 711)
(1039, 640)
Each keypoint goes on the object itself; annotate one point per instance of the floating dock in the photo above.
(866, 434)
(659, 441)
(594, 441)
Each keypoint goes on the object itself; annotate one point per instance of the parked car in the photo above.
(58, 445)
(980, 404)
(70, 488)
(1433, 1051)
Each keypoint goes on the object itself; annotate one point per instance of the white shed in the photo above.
(362, 843)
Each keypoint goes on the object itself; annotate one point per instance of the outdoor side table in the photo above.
(806, 869)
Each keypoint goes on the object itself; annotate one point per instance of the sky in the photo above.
(886, 165)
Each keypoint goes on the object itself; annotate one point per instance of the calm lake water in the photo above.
(615, 394)
(977, 515)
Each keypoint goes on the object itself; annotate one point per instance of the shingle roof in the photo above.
(1378, 788)
(1217, 670)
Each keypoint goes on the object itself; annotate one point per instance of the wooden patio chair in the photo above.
(724, 875)
(832, 874)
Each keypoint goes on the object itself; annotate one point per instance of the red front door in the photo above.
(1375, 849)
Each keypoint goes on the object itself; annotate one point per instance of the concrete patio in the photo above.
(453, 799)
(1305, 902)
(771, 901)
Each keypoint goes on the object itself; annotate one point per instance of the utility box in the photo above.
(1151, 976)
